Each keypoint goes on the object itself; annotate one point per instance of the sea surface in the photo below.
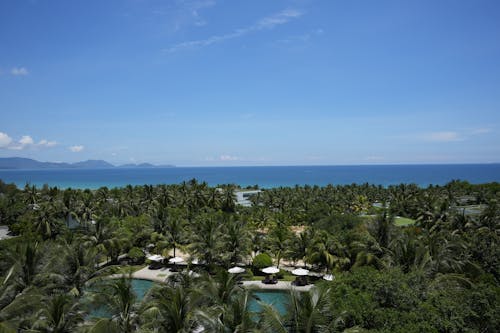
(265, 177)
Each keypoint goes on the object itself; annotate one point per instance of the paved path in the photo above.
(281, 285)
(157, 275)
(160, 275)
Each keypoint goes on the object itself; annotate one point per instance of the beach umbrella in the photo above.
(271, 270)
(193, 274)
(300, 272)
(175, 260)
(155, 257)
(236, 270)
(328, 277)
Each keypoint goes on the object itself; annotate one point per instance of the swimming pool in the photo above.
(140, 288)
(279, 299)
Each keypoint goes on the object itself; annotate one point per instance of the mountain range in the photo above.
(28, 163)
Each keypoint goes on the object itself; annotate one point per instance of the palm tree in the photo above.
(26, 264)
(169, 309)
(311, 312)
(233, 316)
(382, 228)
(47, 223)
(206, 239)
(30, 194)
(328, 252)
(236, 240)
(307, 312)
(410, 253)
(77, 266)
(175, 230)
(279, 240)
(119, 299)
(229, 200)
(59, 314)
(300, 245)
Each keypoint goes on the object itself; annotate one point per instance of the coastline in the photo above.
(264, 177)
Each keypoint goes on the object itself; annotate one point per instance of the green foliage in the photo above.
(136, 254)
(260, 261)
(439, 275)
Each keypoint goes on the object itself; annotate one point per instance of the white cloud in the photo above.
(184, 13)
(25, 142)
(483, 130)
(19, 71)
(76, 149)
(5, 140)
(444, 136)
(302, 38)
(266, 23)
(228, 158)
(45, 143)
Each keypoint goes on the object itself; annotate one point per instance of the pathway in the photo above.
(281, 285)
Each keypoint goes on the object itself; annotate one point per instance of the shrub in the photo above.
(261, 261)
(136, 254)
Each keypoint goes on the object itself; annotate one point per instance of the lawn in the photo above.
(398, 220)
(403, 221)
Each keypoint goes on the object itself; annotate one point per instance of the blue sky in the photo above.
(213, 82)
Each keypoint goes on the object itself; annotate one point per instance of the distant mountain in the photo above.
(27, 163)
(92, 164)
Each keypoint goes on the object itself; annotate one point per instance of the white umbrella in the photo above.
(271, 270)
(236, 270)
(193, 274)
(328, 277)
(155, 257)
(300, 272)
(175, 260)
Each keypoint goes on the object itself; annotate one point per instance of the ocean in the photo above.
(265, 177)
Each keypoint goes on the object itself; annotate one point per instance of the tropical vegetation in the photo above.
(439, 271)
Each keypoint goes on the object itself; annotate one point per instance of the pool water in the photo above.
(277, 298)
(140, 288)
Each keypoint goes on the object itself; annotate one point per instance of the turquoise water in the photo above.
(266, 177)
(277, 298)
(140, 288)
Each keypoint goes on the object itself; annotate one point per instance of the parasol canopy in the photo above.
(175, 260)
(236, 270)
(271, 270)
(300, 272)
(328, 277)
(155, 257)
